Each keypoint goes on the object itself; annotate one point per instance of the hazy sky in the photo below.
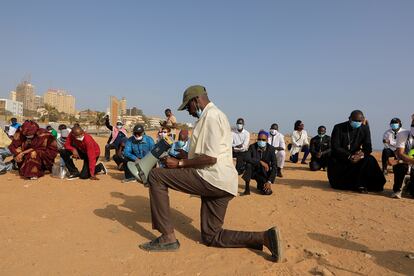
(265, 61)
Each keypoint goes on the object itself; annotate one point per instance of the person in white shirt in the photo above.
(390, 142)
(240, 145)
(405, 160)
(208, 172)
(277, 140)
(300, 143)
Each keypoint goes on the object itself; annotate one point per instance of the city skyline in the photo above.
(266, 61)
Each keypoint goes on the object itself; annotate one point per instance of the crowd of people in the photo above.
(345, 155)
(207, 162)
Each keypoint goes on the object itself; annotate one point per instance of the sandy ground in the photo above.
(82, 227)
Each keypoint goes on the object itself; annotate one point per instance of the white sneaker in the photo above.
(396, 195)
(128, 180)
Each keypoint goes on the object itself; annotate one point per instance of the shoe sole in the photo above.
(279, 256)
(74, 178)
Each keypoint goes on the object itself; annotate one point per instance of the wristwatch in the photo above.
(180, 163)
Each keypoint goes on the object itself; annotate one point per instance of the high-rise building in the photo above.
(12, 95)
(61, 100)
(12, 107)
(123, 106)
(38, 102)
(114, 110)
(25, 93)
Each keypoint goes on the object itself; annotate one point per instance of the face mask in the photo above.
(321, 135)
(180, 144)
(199, 112)
(355, 124)
(138, 138)
(80, 138)
(261, 144)
(119, 126)
(239, 126)
(163, 134)
(29, 136)
(273, 132)
(395, 126)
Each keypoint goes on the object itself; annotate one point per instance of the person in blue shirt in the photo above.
(136, 147)
(181, 147)
(14, 126)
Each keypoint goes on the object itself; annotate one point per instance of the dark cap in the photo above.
(138, 129)
(190, 93)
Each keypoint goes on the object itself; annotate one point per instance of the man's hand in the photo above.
(319, 155)
(171, 162)
(386, 141)
(357, 157)
(392, 162)
(264, 165)
(239, 146)
(93, 178)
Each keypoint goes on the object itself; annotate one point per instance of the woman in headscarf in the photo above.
(34, 150)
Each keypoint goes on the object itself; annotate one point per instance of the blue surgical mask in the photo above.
(180, 144)
(199, 112)
(395, 126)
(239, 126)
(355, 124)
(261, 144)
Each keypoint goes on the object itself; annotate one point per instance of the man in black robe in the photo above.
(351, 166)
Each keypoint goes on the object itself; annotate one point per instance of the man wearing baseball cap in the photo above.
(209, 173)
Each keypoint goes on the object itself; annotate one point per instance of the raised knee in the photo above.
(207, 239)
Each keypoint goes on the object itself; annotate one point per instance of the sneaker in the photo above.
(396, 195)
(127, 180)
(104, 169)
(73, 176)
(34, 178)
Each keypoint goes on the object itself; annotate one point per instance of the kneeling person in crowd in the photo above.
(405, 155)
(136, 147)
(81, 145)
(320, 149)
(390, 142)
(351, 166)
(261, 165)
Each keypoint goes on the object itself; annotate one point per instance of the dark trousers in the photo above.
(318, 163)
(400, 171)
(127, 173)
(295, 157)
(108, 148)
(213, 208)
(257, 173)
(84, 174)
(240, 163)
(119, 160)
(386, 154)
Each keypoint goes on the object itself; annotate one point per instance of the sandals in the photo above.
(156, 246)
(275, 244)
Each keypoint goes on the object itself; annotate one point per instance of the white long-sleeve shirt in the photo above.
(391, 136)
(278, 140)
(242, 137)
(299, 139)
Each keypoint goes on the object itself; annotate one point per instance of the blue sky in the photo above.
(265, 61)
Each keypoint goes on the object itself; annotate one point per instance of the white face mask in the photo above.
(239, 126)
(80, 138)
(138, 138)
(273, 132)
(29, 136)
(119, 126)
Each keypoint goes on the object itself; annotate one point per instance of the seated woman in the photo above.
(261, 165)
(34, 150)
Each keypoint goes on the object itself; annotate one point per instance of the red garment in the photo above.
(87, 146)
(41, 152)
